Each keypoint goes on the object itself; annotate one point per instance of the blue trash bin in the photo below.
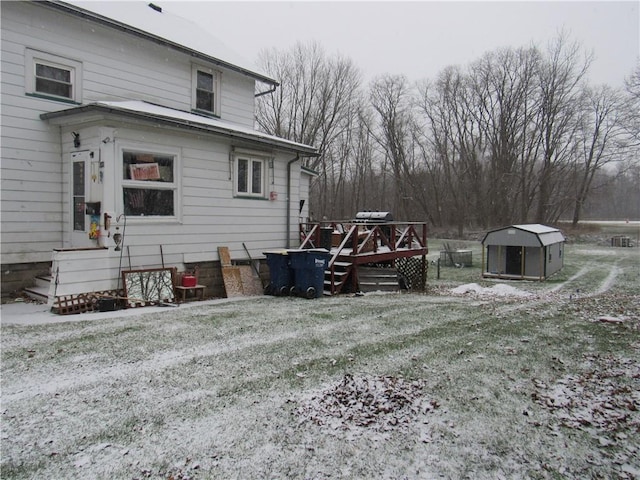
(280, 273)
(309, 267)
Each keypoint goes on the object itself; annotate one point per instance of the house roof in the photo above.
(161, 26)
(158, 115)
(546, 235)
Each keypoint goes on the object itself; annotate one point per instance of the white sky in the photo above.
(420, 38)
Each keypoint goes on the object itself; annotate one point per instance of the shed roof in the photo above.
(546, 235)
(139, 110)
(161, 26)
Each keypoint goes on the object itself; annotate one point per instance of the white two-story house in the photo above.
(125, 118)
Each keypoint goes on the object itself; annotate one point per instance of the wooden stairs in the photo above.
(336, 277)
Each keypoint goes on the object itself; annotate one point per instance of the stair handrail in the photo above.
(308, 237)
(343, 244)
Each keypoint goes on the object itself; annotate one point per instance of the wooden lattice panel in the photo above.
(411, 268)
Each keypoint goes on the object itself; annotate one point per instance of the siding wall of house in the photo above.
(209, 215)
(115, 66)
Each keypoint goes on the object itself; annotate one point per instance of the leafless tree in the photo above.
(390, 98)
(314, 105)
(457, 143)
(601, 139)
(560, 76)
(504, 105)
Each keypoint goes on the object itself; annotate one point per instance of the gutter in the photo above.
(271, 90)
(181, 124)
(288, 202)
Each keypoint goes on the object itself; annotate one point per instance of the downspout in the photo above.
(288, 202)
(267, 92)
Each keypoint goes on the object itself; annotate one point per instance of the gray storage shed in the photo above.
(528, 252)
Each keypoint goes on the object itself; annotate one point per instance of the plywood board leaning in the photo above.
(232, 281)
(251, 284)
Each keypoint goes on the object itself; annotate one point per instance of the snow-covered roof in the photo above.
(546, 235)
(163, 26)
(181, 119)
(536, 228)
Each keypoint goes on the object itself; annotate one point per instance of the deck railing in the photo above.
(364, 237)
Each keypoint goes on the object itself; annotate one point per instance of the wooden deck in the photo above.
(364, 244)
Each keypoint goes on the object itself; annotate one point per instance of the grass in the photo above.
(215, 391)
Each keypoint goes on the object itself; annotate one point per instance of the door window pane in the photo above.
(78, 196)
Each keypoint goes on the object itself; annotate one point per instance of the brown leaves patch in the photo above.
(379, 403)
(605, 397)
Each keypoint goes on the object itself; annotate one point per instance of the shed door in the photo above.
(514, 261)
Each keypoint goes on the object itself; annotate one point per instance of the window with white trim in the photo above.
(206, 90)
(149, 183)
(250, 175)
(53, 76)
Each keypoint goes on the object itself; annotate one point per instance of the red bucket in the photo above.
(188, 281)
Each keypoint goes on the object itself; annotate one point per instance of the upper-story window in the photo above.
(206, 90)
(53, 76)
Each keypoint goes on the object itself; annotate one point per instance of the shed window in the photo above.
(53, 76)
(149, 186)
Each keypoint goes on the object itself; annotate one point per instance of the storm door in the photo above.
(79, 190)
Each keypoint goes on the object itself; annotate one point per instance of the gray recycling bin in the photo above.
(308, 271)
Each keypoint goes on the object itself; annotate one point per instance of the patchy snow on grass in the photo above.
(385, 386)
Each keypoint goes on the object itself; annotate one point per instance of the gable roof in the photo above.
(158, 115)
(163, 27)
(546, 235)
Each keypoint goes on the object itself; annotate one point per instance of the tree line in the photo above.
(517, 136)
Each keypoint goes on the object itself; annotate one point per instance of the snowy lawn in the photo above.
(475, 379)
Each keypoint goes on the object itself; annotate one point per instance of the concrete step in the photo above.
(44, 281)
(39, 294)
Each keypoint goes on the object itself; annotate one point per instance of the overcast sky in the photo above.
(420, 38)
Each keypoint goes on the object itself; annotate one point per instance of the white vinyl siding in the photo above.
(115, 66)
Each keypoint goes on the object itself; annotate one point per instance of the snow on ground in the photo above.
(382, 386)
(500, 289)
